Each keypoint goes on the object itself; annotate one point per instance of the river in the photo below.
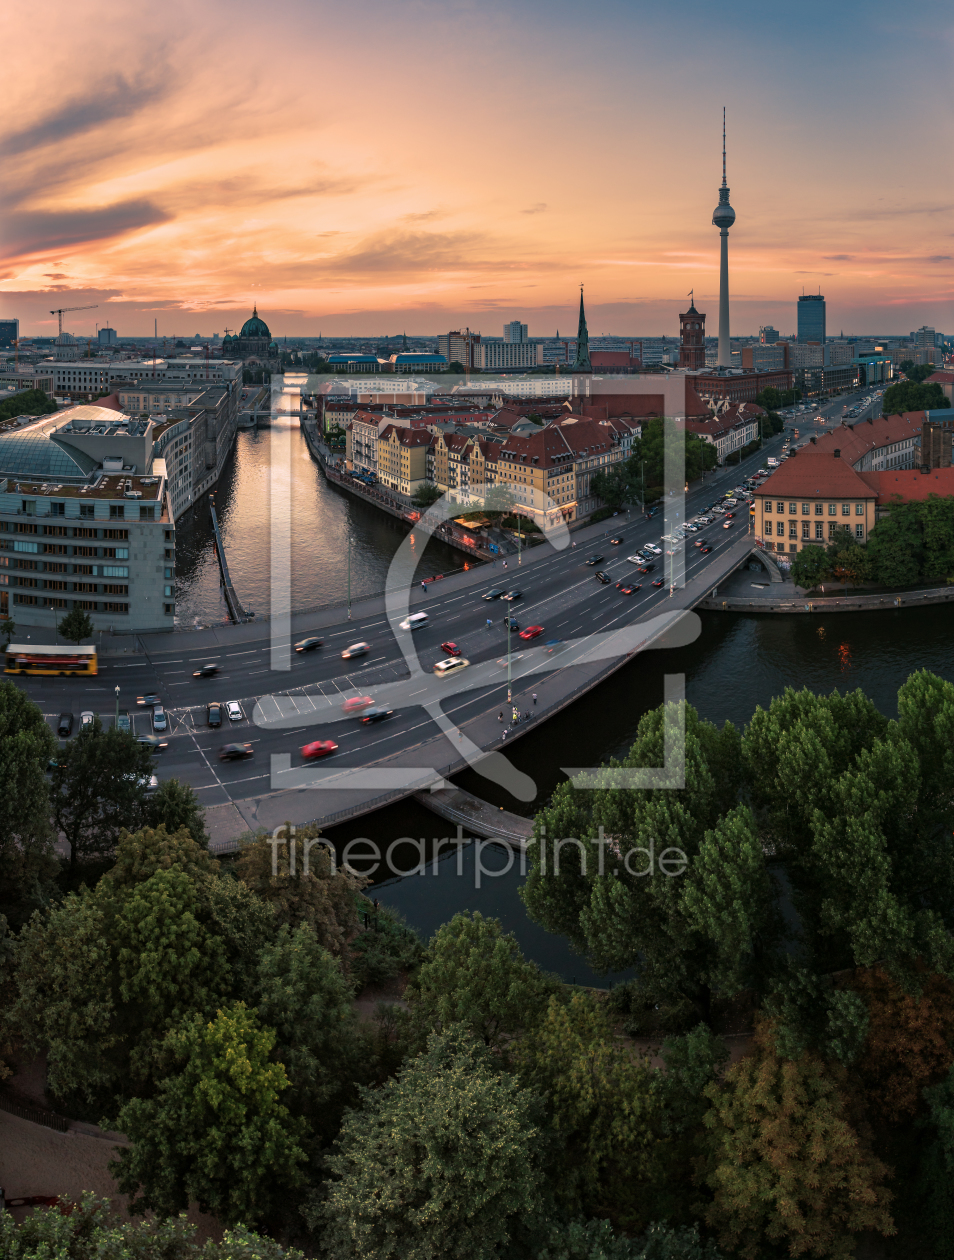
(737, 663)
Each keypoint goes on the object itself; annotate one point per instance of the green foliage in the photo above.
(175, 805)
(91, 1232)
(76, 626)
(216, 1131)
(603, 1107)
(911, 395)
(936, 1179)
(787, 1170)
(425, 495)
(810, 567)
(141, 854)
(916, 371)
(626, 911)
(27, 863)
(33, 402)
(476, 976)
(386, 948)
(304, 996)
(446, 1161)
(914, 543)
(773, 399)
(811, 1014)
(650, 449)
(98, 786)
(596, 1240)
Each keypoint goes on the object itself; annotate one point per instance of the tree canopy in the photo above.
(912, 395)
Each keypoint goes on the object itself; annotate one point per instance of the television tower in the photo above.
(723, 217)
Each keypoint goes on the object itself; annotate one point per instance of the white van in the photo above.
(772, 462)
(415, 621)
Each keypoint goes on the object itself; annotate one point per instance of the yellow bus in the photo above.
(30, 658)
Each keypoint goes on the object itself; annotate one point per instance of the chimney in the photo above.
(793, 451)
(837, 453)
(814, 441)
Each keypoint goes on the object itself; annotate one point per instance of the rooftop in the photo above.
(816, 474)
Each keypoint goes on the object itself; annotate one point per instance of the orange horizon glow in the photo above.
(378, 170)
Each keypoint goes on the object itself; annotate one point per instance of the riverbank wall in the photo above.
(826, 603)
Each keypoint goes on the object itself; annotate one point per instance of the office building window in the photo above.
(806, 530)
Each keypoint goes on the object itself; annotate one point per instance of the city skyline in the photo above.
(180, 187)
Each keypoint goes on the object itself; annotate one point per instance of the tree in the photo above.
(896, 546)
(602, 1104)
(65, 1001)
(596, 1240)
(849, 561)
(216, 1130)
(32, 402)
(811, 567)
(936, 1176)
(787, 1169)
(98, 789)
(76, 626)
(629, 908)
(27, 862)
(476, 976)
(614, 487)
(426, 494)
(139, 855)
(917, 371)
(769, 398)
(90, 1231)
(910, 1042)
(8, 628)
(174, 806)
(323, 895)
(912, 396)
(446, 1160)
(303, 995)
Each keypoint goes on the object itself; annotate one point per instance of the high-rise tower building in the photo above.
(515, 331)
(692, 339)
(723, 217)
(811, 318)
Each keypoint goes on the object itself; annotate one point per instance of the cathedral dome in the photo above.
(255, 328)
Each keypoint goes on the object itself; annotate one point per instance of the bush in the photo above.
(386, 948)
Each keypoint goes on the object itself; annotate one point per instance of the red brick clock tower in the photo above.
(692, 338)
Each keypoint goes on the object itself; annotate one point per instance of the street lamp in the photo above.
(509, 692)
(117, 706)
(349, 571)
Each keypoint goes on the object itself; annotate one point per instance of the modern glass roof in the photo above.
(33, 452)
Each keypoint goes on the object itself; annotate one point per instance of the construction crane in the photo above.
(63, 309)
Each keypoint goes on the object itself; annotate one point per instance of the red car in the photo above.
(451, 649)
(531, 632)
(729, 516)
(356, 704)
(659, 582)
(320, 748)
(629, 590)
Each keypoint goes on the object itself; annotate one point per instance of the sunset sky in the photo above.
(371, 167)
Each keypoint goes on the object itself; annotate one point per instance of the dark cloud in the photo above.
(839, 257)
(410, 252)
(112, 97)
(29, 232)
(535, 209)
(55, 275)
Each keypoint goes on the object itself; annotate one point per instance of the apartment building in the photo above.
(734, 426)
(402, 458)
(85, 522)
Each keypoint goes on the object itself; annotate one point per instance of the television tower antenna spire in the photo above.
(723, 217)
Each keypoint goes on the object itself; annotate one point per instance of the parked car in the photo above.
(159, 720)
(236, 752)
(234, 711)
(124, 723)
(64, 727)
(355, 650)
(308, 645)
(87, 718)
(213, 713)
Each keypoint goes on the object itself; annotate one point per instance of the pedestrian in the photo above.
(505, 734)
(534, 697)
(500, 716)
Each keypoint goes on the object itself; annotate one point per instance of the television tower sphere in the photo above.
(723, 216)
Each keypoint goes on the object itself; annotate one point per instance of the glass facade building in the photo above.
(811, 318)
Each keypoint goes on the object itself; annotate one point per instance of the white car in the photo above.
(656, 551)
(450, 664)
(234, 710)
(636, 559)
(87, 718)
(416, 621)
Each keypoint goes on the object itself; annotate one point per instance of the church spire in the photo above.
(582, 363)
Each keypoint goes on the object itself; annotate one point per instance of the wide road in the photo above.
(559, 591)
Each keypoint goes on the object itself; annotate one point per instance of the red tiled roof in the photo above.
(855, 441)
(911, 485)
(804, 476)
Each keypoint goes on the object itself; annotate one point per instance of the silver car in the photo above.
(234, 710)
